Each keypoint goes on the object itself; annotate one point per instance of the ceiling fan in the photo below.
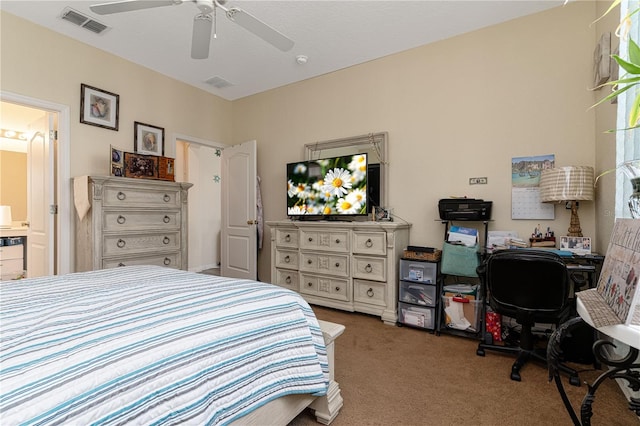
(204, 21)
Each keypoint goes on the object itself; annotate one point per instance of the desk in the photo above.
(620, 368)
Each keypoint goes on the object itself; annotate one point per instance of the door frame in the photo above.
(62, 181)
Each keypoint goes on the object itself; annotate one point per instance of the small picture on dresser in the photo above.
(140, 166)
(117, 162)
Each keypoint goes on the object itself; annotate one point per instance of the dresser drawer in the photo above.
(171, 260)
(115, 245)
(141, 197)
(370, 242)
(370, 292)
(287, 278)
(370, 268)
(336, 241)
(286, 259)
(12, 252)
(287, 238)
(333, 288)
(139, 220)
(333, 264)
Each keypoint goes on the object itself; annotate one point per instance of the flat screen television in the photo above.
(328, 188)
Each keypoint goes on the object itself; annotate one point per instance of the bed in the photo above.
(153, 345)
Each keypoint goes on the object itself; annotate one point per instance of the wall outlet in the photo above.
(478, 181)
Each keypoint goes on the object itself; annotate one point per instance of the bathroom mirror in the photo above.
(374, 145)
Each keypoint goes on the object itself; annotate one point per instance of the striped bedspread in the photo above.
(151, 345)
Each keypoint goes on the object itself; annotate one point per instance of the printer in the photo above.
(464, 209)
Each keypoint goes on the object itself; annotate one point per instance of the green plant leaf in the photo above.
(629, 67)
(634, 112)
(634, 52)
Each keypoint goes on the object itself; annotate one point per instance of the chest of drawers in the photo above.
(133, 222)
(343, 265)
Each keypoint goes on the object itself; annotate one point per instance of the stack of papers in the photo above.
(462, 235)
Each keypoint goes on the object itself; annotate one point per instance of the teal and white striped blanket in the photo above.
(148, 345)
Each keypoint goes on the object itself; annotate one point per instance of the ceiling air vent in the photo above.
(218, 82)
(83, 21)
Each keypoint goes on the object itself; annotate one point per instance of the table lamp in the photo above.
(5, 216)
(568, 184)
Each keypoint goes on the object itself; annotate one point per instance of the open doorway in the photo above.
(27, 188)
(200, 164)
(62, 229)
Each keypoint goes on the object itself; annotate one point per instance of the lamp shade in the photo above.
(571, 183)
(5, 217)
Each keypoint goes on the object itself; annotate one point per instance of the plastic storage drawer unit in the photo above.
(418, 294)
(416, 316)
(418, 271)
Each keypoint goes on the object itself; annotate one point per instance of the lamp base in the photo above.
(574, 226)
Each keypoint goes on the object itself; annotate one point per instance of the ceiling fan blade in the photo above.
(201, 39)
(259, 28)
(129, 5)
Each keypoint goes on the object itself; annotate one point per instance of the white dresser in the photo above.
(133, 222)
(344, 265)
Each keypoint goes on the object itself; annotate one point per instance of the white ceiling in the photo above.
(332, 34)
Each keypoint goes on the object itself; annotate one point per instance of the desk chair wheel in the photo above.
(515, 375)
(574, 380)
(480, 352)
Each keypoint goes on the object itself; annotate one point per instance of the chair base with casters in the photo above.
(532, 287)
(526, 352)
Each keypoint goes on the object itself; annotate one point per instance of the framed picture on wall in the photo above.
(148, 139)
(99, 107)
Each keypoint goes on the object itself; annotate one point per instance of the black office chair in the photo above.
(531, 286)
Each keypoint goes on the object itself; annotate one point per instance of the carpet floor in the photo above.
(392, 375)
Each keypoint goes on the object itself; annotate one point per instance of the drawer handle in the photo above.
(121, 243)
(121, 264)
(369, 243)
(287, 238)
(310, 284)
(310, 239)
(166, 261)
(370, 292)
(287, 259)
(288, 279)
(166, 240)
(368, 268)
(337, 288)
(337, 240)
(121, 219)
(309, 261)
(337, 264)
(166, 198)
(166, 219)
(121, 195)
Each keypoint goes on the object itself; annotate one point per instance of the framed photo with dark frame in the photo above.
(140, 166)
(99, 107)
(148, 139)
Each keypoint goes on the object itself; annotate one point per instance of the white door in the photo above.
(40, 199)
(239, 251)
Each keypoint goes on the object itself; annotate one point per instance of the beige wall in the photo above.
(13, 183)
(56, 65)
(455, 109)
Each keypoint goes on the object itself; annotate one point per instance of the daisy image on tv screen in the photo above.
(329, 186)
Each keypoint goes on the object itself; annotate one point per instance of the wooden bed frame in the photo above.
(283, 410)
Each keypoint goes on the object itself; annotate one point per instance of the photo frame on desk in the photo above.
(576, 245)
